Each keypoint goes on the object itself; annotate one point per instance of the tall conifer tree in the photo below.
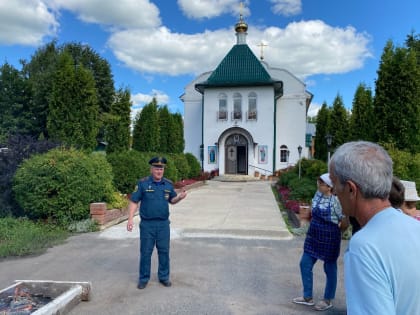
(117, 125)
(362, 118)
(146, 129)
(322, 129)
(73, 107)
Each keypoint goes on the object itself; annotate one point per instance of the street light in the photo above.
(300, 152)
(329, 138)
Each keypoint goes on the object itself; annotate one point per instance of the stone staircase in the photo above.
(242, 178)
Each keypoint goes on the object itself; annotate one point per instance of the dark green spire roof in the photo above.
(240, 67)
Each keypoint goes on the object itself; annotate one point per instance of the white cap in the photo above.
(326, 179)
(410, 193)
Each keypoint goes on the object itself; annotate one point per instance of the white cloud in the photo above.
(286, 7)
(314, 109)
(305, 48)
(26, 22)
(119, 14)
(312, 47)
(139, 99)
(198, 9)
(173, 53)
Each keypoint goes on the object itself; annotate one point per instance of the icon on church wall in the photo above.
(262, 154)
(212, 150)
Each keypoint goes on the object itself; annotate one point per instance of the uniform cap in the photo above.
(158, 161)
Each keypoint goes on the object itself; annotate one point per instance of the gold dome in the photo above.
(241, 26)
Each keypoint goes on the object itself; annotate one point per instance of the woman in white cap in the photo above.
(410, 200)
(322, 242)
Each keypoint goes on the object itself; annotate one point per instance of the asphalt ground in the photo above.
(231, 253)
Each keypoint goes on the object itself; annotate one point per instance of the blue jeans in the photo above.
(154, 233)
(307, 263)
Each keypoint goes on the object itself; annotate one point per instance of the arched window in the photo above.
(222, 113)
(252, 106)
(284, 154)
(237, 106)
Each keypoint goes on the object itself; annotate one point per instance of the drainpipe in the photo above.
(202, 133)
(274, 142)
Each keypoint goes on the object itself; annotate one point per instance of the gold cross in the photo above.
(262, 45)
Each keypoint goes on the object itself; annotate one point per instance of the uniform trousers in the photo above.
(154, 233)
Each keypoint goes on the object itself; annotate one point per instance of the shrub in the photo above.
(60, 185)
(119, 201)
(128, 167)
(312, 169)
(181, 164)
(195, 167)
(287, 177)
(302, 189)
(20, 147)
(171, 171)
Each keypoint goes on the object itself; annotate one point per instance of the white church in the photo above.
(246, 116)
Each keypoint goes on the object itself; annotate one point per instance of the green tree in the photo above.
(362, 118)
(146, 129)
(339, 122)
(322, 129)
(73, 107)
(413, 43)
(40, 74)
(101, 71)
(14, 103)
(165, 127)
(178, 133)
(117, 130)
(397, 96)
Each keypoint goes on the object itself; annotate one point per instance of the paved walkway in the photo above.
(246, 210)
(231, 254)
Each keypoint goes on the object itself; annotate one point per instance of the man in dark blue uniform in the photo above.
(154, 194)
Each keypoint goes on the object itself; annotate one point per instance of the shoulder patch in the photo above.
(144, 179)
(168, 180)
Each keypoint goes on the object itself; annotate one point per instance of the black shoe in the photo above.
(141, 285)
(166, 283)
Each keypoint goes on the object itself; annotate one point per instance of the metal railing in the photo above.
(260, 168)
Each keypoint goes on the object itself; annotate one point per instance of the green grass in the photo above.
(21, 237)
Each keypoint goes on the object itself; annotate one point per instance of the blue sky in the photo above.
(156, 48)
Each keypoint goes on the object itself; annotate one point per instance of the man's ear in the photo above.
(351, 187)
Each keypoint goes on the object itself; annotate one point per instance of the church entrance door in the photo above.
(236, 156)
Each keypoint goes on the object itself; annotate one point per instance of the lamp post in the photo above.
(300, 152)
(329, 138)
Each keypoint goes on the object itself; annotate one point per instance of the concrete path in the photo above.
(246, 210)
(231, 254)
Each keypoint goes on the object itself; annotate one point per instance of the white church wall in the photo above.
(291, 128)
(192, 136)
(261, 130)
(293, 85)
(192, 116)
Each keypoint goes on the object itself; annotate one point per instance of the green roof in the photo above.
(240, 67)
